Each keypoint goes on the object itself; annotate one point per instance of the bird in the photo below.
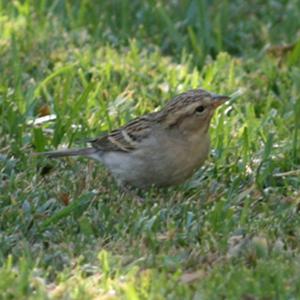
(159, 149)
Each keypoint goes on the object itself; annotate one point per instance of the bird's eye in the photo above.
(200, 109)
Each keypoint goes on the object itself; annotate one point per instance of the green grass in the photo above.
(231, 232)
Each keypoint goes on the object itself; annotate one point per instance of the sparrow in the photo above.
(162, 148)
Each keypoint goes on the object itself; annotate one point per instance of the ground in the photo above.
(231, 232)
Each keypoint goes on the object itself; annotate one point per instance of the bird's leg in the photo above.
(130, 192)
(127, 190)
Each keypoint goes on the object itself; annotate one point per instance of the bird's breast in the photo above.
(159, 160)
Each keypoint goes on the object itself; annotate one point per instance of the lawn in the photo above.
(73, 70)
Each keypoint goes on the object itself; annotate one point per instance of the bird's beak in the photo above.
(219, 100)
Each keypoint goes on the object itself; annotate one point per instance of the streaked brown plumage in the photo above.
(161, 148)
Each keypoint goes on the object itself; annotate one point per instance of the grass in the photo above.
(231, 232)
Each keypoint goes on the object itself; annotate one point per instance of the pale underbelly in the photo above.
(145, 168)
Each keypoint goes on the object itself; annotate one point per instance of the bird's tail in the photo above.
(67, 152)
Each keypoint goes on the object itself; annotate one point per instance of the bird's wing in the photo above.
(125, 138)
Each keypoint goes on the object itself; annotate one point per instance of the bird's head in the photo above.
(192, 110)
